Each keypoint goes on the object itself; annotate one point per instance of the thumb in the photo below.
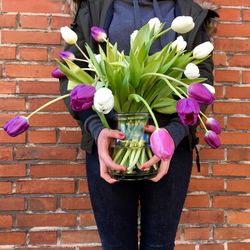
(149, 129)
(115, 134)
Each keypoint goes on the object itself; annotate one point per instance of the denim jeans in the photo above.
(116, 206)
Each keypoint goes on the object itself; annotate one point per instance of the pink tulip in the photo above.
(162, 144)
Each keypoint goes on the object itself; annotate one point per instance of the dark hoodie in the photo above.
(100, 13)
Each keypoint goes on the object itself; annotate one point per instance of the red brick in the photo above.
(12, 170)
(59, 21)
(212, 247)
(5, 138)
(239, 154)
(238, 185)
(55, 52)
(46, 220)
(239, 61)
(202, 217)
(39, 87)
(11, 204)
(28, 70)
(42, 238)
(232, 2)
(203, 172)
(30, 37)
(240, 30)
(35, 103)
(80, 237)
(232, 108)
(246, 15)
(70, 136)
(231, 170)
(76, 203)
(233, 45)
(42, 136)
(240, 92)
(6, 154)
(234, 217)
(87, 220)
(45, 186)
(231, 201)
(7, 53)
(59, 170)
(12, 103)
(45, 6)
(7, 87)
(37, 22)
(231, 233)
(184, 247)
(206, 185)
(5, 221)
(45, 153)
(238, 246)
(196, 233)
(220, 59)
(42, 203)
(12, 238)
(34, 54)
(235, 138)
(212, 154)
(227, 76)
(83, 186)
(229, 14)
(7, 20)
(5, 187)
(246, 76)
(238, 123)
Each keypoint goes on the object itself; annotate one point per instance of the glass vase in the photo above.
(133, 151)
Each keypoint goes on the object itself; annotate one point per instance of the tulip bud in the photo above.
(68, 35)
(212, 139)
(16, 126)
(57, 73)
(209, 87)
(81, 97)
(66, 55)
(98, 34)
(133, 35)
(192, 71)
(154, 25)
(203, 50)
(179, 43)
(182, 24)
(162, 144)
(200, 93)
(214, 125)
(104, 100)
(188, 110)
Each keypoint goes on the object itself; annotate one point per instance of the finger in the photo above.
(150, 162)
(105, 174)
(149, 129)
(163, 169)
(111, 164)
(111, 133)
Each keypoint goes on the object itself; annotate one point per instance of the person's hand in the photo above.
(106, 163)
(164, 165)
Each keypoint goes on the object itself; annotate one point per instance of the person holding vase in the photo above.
(161, 198)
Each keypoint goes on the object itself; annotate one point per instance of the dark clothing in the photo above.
(116, 206)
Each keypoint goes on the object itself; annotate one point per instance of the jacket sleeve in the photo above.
(88, 118)
(176, 129)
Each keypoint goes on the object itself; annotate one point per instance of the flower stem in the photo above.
(203, 114)
(82, 52)
(80, 60)
(47, 104)
(102, 117)
(163, 32)
(137, 97)
(202, 123)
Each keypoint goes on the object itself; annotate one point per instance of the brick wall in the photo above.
(44, 198)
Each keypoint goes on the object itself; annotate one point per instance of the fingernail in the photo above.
(146, 126)
(121, 135)
(143, 168)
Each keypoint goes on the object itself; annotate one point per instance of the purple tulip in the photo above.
(66, 55)
(16, 126)
(212, 139)
(57, 73)
(200, 93)
(188, 110)
(214, 125)
(98, 34)
(162, 144)
(82, 97)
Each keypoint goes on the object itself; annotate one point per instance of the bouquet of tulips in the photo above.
(166, 82)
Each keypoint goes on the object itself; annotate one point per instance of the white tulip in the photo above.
(203, 50)
(155, 25)
(209, 87)
(179, 43)
(68, 35)
(103, 100)
(182, 24)
(133, 35)
(192, 71)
